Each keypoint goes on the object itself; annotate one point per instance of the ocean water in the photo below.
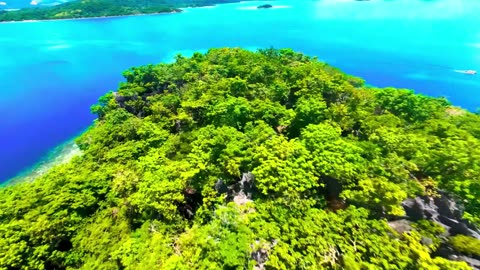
(51, 72)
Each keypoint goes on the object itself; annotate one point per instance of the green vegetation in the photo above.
(103, 8)
(158, 183)
(465, 244)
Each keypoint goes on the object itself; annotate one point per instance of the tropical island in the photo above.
(103, 8)
(235, 159)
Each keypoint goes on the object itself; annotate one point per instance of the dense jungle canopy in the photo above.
(235, 159)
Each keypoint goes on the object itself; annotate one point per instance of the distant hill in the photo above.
(18, 4)
(103, 8)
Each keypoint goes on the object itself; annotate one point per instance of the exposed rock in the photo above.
(474, 263)
(427, 241)
(401, 225)
(446, 251)
(260, 255)
(118, 98)
(446, 212)
(241, 192)
(443, 210)
(457, 227)
(415, 208)
(245, 190)
(241, 199)
(247, 184)
(447, 207)
(221, 187)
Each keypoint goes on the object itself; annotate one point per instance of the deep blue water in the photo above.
(51, 72)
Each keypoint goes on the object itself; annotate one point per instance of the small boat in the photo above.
(468, 72)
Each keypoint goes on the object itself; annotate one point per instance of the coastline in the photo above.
(61, 154)
(65, 151)
(176, 10)
(97, 17)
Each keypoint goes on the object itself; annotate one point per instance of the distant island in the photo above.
(103, 8)
(265, 6)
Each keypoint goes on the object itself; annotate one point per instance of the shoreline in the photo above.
(65, 151)
(60, 154)
(175, 11)
(96, 17)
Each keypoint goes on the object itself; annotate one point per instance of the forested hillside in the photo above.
(103, 8)
(251, 160)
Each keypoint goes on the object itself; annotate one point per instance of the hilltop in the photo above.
(235, 159)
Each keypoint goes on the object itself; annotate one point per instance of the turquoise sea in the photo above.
(51, 72)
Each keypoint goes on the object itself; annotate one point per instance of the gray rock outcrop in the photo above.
(443, 210)
(240, 192)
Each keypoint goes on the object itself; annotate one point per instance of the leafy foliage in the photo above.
(330, 159)
(466, 244)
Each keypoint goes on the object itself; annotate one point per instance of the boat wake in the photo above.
(467, 72)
